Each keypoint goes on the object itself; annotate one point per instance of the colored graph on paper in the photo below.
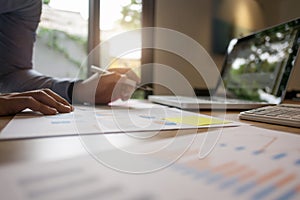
(247, 163)
(254, 164)
(88, 120)
(152, 119)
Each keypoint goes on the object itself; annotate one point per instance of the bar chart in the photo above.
(248, 166)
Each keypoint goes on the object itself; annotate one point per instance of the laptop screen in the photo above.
(258, 66)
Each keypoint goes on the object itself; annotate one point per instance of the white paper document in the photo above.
(246, 163)
(114, 119)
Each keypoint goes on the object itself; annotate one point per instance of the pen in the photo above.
(100, 71)
(132, 83)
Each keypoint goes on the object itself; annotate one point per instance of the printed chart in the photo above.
(87, 120)
(247, 163)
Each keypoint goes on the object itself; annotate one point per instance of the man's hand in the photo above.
(105, 88)
(44, 101)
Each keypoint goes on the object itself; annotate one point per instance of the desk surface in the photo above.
(45, 149)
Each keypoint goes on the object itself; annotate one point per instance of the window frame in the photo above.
(148, 10)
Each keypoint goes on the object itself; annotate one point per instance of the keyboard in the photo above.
(283, 114)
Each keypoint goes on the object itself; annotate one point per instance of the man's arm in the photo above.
(18, 23)
(22, 80)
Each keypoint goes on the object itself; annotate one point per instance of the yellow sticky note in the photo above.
(196, 120)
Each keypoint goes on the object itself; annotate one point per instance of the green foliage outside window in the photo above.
(46, 1)
(131, 14)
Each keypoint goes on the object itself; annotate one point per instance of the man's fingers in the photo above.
(17, 104)
(105, 88)
(50, 100)
(123, 88)
(35, 105)
(120, 86)
(58, 98)
(128, 72)
(108, 88)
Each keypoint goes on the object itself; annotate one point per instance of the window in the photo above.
(62, 38)
(127, 15)
(117, 17)
(71, 28)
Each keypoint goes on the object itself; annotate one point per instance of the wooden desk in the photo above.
(45, 149)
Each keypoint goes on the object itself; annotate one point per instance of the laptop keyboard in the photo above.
(284, 114)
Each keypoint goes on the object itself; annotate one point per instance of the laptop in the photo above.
(255, 72)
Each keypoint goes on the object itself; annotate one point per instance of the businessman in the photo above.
(18, 23)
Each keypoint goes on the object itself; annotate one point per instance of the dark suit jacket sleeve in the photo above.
(18, 23)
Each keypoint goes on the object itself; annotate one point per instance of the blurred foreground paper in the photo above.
(246, 163)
